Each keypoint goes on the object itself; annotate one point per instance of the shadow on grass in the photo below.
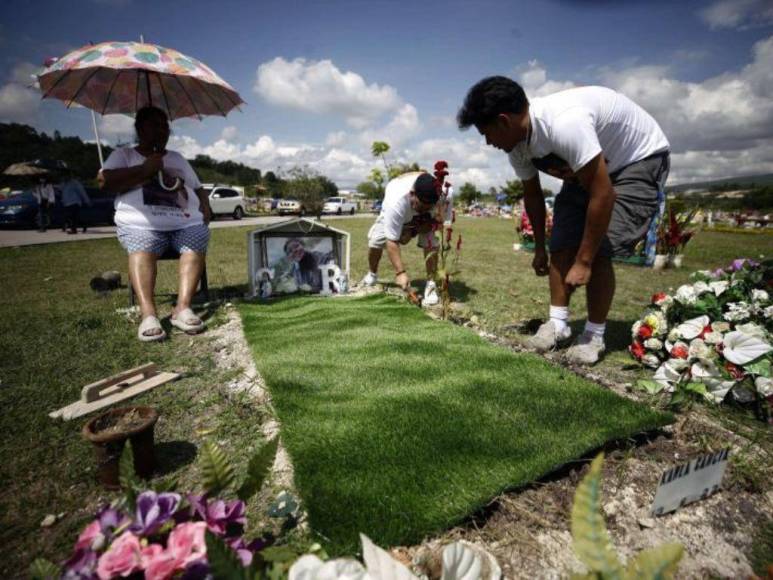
(173, 455)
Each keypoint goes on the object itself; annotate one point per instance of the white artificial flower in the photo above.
(740, 348)
(700, 350)
(673, 335)
(718, 388)
(666, 374)
(689, 329)
(751, 329)
(764, 386)
(704, 273)
(720, 326)
(713, 337)
(759, 296)
(737, 311)
(678, 364)
(650, 360)
(719, 287)
(768, 312)
(686, 294)
(635, 328)
(653, 344)
(701, 288)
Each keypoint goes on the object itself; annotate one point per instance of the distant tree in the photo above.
(308, 187)
(379, 149)
(513, 190)
(378, 179)
(468, 193)
(370, 190)
(273, 184)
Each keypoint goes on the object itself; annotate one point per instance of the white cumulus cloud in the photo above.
(18, 103)
(738, 13)
(321, 87)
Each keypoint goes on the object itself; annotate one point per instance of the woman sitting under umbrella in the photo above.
(154, 215)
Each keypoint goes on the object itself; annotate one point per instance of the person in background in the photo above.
(160, 205)
(43, 193)
(73, 197)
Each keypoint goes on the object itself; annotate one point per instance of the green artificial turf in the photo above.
(400, 426)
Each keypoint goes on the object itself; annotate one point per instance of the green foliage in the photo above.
(514, 191)
(592, 544)
(308, 187)
(42, 569)
(223, 561)
(380, 149)
(126, 476)
(468, 193)
(229, 172)
(217, 472)
(398, 169)
(650, 386)
(370, 190)
(258, 469)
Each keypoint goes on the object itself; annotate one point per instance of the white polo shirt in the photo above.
(578, 124)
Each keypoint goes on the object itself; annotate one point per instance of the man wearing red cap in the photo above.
(409, 205)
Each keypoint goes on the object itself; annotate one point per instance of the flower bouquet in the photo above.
(163, 534)
(712, 336)
(673, 235)
(525, 231)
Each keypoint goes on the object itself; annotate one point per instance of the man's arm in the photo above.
(534, 202)
(595, 180)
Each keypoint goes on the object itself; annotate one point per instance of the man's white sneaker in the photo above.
(548, 337)
(370, 279)
(431, 297)
(586, 350)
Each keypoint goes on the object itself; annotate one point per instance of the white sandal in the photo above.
(150, 323)
(187, 321)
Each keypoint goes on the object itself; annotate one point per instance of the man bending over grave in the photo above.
(613, 159)
(408, 211)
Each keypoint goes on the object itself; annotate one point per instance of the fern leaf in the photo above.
(217, 472)
(258, 469)
(126, 476)
(42, 569)
(223, 561)
(589, 533)
(658, 563)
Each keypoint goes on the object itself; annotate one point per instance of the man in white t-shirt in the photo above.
(614, 160)
(407, 212)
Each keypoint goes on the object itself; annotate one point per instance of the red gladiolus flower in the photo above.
(735, 371)
(440, 165)
(679, 352)
(449, 232)
(459, 243)
(645, 331)
(636, 349)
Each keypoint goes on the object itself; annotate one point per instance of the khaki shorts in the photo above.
(377, 237)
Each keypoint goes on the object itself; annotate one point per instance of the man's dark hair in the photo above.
(491, 97)
(147, 112)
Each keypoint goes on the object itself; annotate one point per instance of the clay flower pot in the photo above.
(108, 433)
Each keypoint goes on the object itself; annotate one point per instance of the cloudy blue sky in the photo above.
(324, 78)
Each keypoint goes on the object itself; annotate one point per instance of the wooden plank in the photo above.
(90, 392)
(116, 394)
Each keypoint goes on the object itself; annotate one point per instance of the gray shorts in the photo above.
(191, 239)
(636, 185)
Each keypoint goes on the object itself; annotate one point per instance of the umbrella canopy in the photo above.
(25, 169)
(123, 77)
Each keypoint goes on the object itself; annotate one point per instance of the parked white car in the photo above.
(286, 206)
(225, 200)
(339, 205)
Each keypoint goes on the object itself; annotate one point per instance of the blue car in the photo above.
(21, 210)
(376, 207)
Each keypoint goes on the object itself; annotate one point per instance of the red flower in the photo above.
(449, 232)
(636, 349)
(459, 243)
(659, 297)
(645, 331)
(705, 331)
(735, 371)
(679, 351)
(453, 216)
(440, 165)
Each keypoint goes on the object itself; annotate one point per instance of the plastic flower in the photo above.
(751, 329)
(636, 349)
(764, 386)
(720, 326)
(692, 328)
(740, 348)
(686, 294)
(657, 322)
(741, 262)
(768, 312)
(650, 360)
(88, 536)
(735, 371)
(219, 515)
(667, 375)
(81, 566)
(679, 350)
(760, 296)
(645, 331)
(662, 299)
(121, 558)
(719, 287)
(701, 288)
(713, 337)
(153, 510)
(699, 350)
(653, 344)
(186, 543)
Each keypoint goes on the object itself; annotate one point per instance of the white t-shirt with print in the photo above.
(578, 124)
(150, 207)
(396, 210)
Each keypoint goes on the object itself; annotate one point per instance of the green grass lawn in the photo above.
(56, 336)
(400, 426)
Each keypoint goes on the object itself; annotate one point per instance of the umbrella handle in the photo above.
(163, 185)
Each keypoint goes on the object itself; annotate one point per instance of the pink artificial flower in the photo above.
(121, 558)
(88, 535)
(158, 564)
(186, 542)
